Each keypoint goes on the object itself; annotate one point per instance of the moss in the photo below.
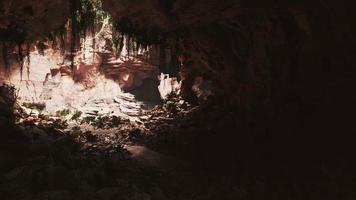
(103, 121)
(60, 124)
(76, 131)
(62, 113)
(88, 119)
(76, 115)
(35, 106)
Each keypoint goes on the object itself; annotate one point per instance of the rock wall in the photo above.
(277, 57)
(21, 20)
(282, 68)
(98, 83)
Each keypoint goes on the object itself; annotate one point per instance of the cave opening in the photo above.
(176, 99)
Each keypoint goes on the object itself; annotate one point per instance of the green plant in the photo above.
(60, 124)
(35, 106)
(101, 121)
(76, 115)
(88, 119)
(44, 117)
(115, 121)
(62, 113)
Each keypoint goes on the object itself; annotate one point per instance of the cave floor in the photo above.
(102, 158)
(165, 154)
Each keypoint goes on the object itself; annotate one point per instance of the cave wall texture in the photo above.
(287, 64)
(21, 20)
(281, 64)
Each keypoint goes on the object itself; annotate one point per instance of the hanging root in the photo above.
(28, 60)
(73, 23)
(20, 59)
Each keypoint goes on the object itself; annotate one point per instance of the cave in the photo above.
(177, 99)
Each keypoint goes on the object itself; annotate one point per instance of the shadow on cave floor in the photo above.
(148, 94)
(43, 162)
(173, 154)
(47, 158)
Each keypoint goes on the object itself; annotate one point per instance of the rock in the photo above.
(14, 173)
(57, 195)
(56, 176)
(139, 196)
(36, 132)
(157, 194)
(108, 193)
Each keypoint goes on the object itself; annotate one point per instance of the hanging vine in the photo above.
(20, 58)
(87, 18)
(28, 48)
(141, 37)
(117, 41)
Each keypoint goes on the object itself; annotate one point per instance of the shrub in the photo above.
(35, 106)
(77, 115)
(62, 113)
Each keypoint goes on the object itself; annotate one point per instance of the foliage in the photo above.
(8, 95)
(35, 106)
(44, 117)
(172, 96)
(77, 115)
(115, 121)
(170, 107)
(88, 119)
(60, 124)
(103, 121)
(62, 113)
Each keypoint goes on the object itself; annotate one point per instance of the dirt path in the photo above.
(154, 159)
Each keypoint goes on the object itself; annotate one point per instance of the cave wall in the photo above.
(282, 68)
(265, 51)
(21, 20)
(290, 59)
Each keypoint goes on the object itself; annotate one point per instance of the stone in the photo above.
(108, 193)
(57, 195)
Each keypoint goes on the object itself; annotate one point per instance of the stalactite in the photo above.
(93, 32)
(4, 56)
(135, 46)
(117, 39)
(93, 48)
(162, 58)
(141, 37)
(20, 58)
(84, 48)
(73, 29)
(40, 48)
(128, 45)
(53, 39)
(28, 60)
(62, 39)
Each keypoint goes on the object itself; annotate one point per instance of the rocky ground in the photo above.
(175, 151)
(69, 156)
